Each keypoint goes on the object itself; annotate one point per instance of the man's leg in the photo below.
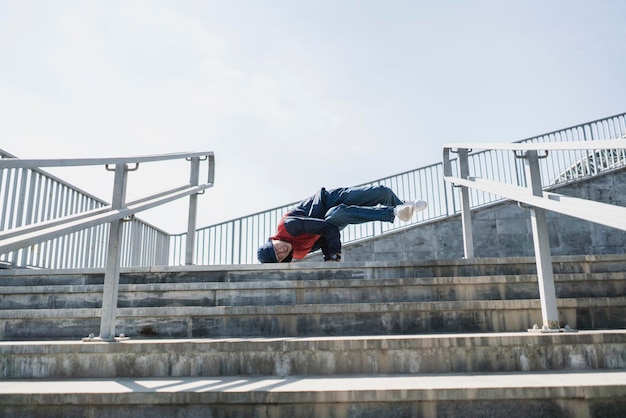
(362, 196)
(355, 205)
(344, 215)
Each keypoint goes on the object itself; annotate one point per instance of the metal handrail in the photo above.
(78, 162)
(235, 241)
(32, 199)
(26, 231)
(33, 196)
(530, 191)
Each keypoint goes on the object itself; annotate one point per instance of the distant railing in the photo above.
(528, 190)
(236, 241)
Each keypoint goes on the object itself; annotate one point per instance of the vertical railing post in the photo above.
(112, 269)
(466, 215)
(190, 244)
(541, 241)
(239, 240)
(135, 243)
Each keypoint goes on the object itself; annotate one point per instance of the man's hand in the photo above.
(332, 257)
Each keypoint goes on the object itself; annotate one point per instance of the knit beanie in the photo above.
(266, 253)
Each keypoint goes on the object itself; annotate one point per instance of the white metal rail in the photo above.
(533, 195)
(114, 214)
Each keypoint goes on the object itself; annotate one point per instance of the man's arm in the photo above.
(298, 225)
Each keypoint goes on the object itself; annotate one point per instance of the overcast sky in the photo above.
(294, 95)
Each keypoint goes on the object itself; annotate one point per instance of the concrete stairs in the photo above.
(315, 299)
(579, 375)
(427, 338)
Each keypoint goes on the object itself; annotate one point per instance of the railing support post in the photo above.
(190, 244)
(114, 250)
(541, 242)
(466, 215)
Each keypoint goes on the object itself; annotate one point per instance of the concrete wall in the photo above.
(504, 230)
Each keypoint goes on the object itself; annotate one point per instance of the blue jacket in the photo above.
(306, 230)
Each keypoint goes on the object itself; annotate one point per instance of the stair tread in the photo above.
(299, 284)
(342, 342)
(338, 388)
(315, 307)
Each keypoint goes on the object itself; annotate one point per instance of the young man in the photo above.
(315, 222)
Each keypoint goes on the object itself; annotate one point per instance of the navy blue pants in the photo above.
(356, 205)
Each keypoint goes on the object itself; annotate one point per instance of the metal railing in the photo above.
(529, 190)
(32, 196)
(29, 195)
(25, 199)
(235, 241)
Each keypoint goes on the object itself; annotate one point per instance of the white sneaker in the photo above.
(404, 212)
(419, 205)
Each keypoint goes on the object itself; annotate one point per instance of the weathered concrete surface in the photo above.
(312, 299)
(313, 270)
(313, 320)
(291, 292)
(411, 354)
(503, 230)
(554, 394)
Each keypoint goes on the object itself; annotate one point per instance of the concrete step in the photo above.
(552, 394)
(407, 354)
(313, 292)
(309, 271)
(313, 319)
